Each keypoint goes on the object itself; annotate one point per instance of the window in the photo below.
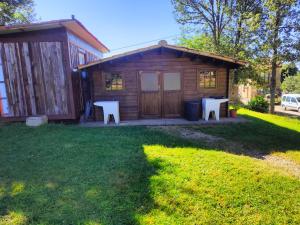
(293, 100)
(113, 82)
(4, 109)
(149, 81)
(298, 99)
(284, 98)
(81, 58)
(207, 79)
(288, 99)
(172, 82)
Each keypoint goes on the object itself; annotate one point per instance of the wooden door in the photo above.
(172, 95)
(150, 95)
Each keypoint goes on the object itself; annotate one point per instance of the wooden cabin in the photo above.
(36, 68)
(154, 82)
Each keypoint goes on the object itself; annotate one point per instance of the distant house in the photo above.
(36, 68)
(153, 82)
(248, 91)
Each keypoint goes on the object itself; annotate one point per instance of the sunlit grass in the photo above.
(59, 174)
(282, 121)
(265, 133)
(17, 188)
(211, 187)
(292, 155)
(13, 218)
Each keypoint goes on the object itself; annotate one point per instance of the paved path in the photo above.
(289, 112)
(165, 122)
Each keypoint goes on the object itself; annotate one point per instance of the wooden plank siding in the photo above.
(35, 78)
(74, 52)
(160, 61)
(38, 70)
(77, 82)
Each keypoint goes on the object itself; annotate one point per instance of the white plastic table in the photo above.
(109, 108)
(212, 105)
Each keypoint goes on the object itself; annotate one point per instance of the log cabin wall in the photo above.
(38, 71)
(156, 60)
(34, 67)
(77, 47)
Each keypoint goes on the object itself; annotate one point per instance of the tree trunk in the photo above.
(273, 83)
(275, 46)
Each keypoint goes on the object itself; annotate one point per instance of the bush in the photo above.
(291, 84)
(258, 104)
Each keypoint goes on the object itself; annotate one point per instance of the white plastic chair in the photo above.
(211, 105)
(109, 108)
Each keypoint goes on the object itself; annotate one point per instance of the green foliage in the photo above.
(280, 35)
(206, 15)
(279, 29)
(16, 11)
(288, 70)
(258, 104)
(204, 42)
(291, 85)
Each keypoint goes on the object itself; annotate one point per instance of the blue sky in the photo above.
(117, 23)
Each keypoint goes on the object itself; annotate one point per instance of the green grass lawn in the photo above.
(268, 134)
(64, 174)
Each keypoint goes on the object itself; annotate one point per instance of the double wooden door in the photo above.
(160, 94)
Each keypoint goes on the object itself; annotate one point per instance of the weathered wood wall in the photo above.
(77, 81)
(166, 60)
(35, 78)
(38, 70)
(74, 52)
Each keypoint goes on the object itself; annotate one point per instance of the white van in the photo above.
(290, 101)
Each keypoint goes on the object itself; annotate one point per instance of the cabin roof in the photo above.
(72, 25)
(163, 44)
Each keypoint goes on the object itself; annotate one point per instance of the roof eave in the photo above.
(10, 29)
(178, 48)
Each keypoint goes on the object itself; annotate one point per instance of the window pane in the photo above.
(1, 73)
(172, 81)
(149, 82)
(113, 82)
(2, 90)
(207, 79)
(294, 100)
(81, 56)
(201, 81)
(4, 110)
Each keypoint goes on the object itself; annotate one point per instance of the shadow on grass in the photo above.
(255, 138)
(60, 174)
(63, 174)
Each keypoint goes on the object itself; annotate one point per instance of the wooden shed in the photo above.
(36, 68)
(153, 82)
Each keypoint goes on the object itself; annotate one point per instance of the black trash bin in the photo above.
(191, 110)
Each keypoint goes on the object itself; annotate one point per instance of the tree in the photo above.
(237, 33)
(291, 85)
(244, 26)
(204, 42)
(212, 16)
(231, 22)
(288, 70)
(16, 11)
(280, 35)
